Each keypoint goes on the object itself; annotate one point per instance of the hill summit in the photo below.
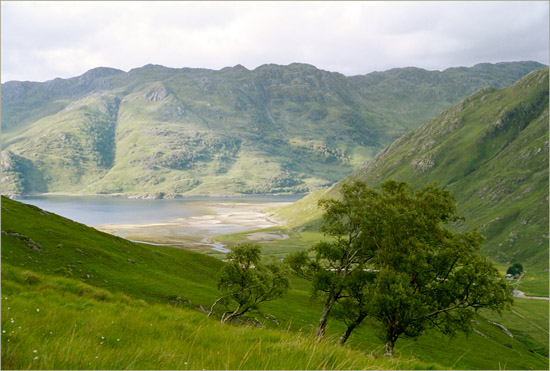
(164, 132)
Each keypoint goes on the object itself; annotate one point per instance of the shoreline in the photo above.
(154, 196)
(196, 232)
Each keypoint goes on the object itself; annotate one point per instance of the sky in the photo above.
(44, 40)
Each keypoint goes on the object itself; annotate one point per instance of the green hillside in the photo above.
(161, 132)
(60, 323)
(76, 298)
(491, 151)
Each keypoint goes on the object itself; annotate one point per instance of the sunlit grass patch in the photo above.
(51, 326)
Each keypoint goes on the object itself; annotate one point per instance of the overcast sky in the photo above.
(44, 40)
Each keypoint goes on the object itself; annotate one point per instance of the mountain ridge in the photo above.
(167, 132)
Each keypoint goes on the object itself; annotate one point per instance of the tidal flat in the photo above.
(182, 223)
(195, 232)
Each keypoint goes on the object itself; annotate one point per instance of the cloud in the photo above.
(44, 40)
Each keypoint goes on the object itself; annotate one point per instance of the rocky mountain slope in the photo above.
(165, 132)
(491, 151)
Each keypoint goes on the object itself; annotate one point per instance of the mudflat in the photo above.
(196, 232)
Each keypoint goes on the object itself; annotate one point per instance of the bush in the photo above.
(62, 271)
(30, 278)
(248, 280)
(516, 268)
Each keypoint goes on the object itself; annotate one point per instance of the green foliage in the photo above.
(427, 276)
(347, 223)
(248, 281)
(516, 268)
(394, 259)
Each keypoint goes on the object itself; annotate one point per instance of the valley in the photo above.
(275, 185)
(189, 223)
(491, 152)
(134, 291)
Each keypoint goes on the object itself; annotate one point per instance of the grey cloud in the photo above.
(46, 40)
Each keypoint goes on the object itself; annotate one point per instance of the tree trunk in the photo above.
(351, 327)
(231, 315)
(323, 320)
(389, 349)
(346, 334)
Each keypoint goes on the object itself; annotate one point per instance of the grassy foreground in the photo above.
(87, 284)
(59, 323)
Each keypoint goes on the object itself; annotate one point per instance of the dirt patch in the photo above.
(267, 236)
(196, 232)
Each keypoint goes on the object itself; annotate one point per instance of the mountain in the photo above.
(491, 152)
(163, 132)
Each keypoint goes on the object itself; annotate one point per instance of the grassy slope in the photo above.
(137, 296)
(78, 326)
(194, 131)
(103, 260)
(491, 152)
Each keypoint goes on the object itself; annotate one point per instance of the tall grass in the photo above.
(59, 323)
(126, 301)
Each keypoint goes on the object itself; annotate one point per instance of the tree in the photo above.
(516, 268)
(424, 274)
(347, 224)
(354, 306)
(247, 280)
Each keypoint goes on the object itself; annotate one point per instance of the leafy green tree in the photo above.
(247, 280)
(347, 224)
(516, 268)
(424, 275)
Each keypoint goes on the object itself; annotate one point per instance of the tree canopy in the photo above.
(347, 250)
(516, 268)
(247, 280)
(399, 257)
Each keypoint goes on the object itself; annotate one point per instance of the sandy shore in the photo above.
(196, 232)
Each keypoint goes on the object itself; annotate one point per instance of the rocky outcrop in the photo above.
(504, 329)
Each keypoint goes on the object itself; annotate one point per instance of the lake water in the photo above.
(98, 210)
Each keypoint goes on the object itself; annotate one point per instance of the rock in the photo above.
(508, 345)
(504, 329)
(423, 164)
(479, 333)
(200, 308)
(37, 246)
(156, 94)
